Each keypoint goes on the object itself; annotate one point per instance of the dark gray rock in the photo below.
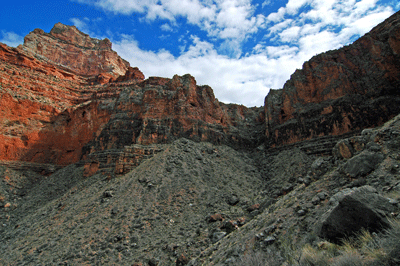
(270, 229)
(233, 200)
(217, 236)
(362, 164)
(269, 240)
(353, 210)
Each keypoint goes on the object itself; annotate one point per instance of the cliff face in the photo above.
(59, 106)
(66, 97)
(179, 199)
(67, 47)
(339, 91)
(48, 100)
(161, 110)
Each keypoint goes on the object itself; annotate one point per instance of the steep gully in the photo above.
(66, 97)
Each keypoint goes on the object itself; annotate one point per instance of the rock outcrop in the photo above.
(353, 211)
(181, 198)
(67, 97)
(57, 108)
(160, 110)
(339, 91)
(67, 47)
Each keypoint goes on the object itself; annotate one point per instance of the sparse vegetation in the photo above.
(366, 249)
(259, 258)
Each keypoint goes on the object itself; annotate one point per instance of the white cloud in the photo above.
(266, 3)
(79, 23)
(166, 27)
(293, 6)
(334, 20)
(277, 16)
(244, 80)
(222, 18)
(293, 34)
(300, 30)
(290, 34)
(11, 39)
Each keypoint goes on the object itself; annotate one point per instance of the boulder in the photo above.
(362, 164)
(352, 211)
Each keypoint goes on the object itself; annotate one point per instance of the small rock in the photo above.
(372, 146)
(215, 217)
(301, 212)
(343, 149)
(153, 262)
(270, 229)
(315, 200)
(108, 194)
(233, 200)
(322, 195)
(182, 260)
(393, 201)
(307, 180)
(269, 240)
(114, 211)
(259, 236)
(316, 165)
(253, 207)
(217, 236)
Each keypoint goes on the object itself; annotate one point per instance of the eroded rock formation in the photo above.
(66, 46)
(67, 97)
(339, 91)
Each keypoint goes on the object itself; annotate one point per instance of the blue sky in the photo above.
(241, 48)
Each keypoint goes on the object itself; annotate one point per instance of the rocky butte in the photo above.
(99, 165)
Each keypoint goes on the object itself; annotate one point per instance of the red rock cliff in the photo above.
(65, 46)
(49, 101)
(58, 106)
(339, 91)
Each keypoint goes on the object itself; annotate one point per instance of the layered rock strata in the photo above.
(66, 97)
(161, 110)
(58, 109)
(339, 91)
(67, 47)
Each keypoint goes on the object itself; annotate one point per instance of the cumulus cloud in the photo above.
(244, 80)
(315, 26)
(292, 35)
(166, 27)
(223, 18)
(79, 23)
(11, 39)
(266, 3)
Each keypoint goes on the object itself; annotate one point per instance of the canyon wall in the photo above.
(59, 109)
(339, 91)
(66, 97)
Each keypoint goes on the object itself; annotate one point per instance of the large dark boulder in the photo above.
(362, 164)
(352, 211)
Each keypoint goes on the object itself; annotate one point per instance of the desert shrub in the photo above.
(259, 258)
(349, 258)
(311, 256)
(390, 243)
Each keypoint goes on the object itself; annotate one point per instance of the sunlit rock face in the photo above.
(65, 46)
(66, 97)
